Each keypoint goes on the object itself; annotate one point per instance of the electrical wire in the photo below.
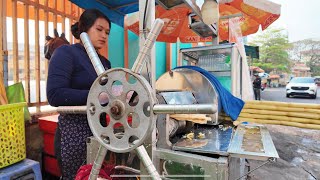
(144, 19)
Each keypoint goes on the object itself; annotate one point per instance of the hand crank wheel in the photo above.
(120, 94)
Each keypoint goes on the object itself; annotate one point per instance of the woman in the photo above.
(70, 77)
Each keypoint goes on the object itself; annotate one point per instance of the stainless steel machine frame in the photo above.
(204, 57)
(221, 168)
(217, 163)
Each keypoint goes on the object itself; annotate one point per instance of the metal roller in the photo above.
(72, 109)
(185, 109)
(175, 85)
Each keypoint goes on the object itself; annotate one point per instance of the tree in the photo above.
(307, 51)
(273, 44)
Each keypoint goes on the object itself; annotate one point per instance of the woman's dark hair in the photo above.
(87, 19)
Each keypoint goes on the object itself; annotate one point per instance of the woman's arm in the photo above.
(59, 91)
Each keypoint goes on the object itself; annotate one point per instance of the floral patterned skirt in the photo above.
(74, 131)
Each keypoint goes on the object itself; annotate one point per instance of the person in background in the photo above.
(257, 87)
(70, 77)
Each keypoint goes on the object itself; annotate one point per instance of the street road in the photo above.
(279, 94)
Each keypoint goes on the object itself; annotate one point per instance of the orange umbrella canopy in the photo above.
(256, 69)
(175, 25)
(253, 14)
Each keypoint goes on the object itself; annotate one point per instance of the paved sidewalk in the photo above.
(299, 151)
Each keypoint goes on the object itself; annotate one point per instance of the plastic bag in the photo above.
(15, 94)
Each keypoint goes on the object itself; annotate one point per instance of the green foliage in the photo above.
(314, 64)
(273, 44)
(307, 51)
(315, 70)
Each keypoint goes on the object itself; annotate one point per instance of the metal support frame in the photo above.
(214, 169)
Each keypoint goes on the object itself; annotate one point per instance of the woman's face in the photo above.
(99, 33)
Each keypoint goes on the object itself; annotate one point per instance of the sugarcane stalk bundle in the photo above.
(281, 113)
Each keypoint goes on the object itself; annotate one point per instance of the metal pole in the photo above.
(102, 152)
(148, 44)
(234, 72)
(185, 109)
(146, 19)
(95, 60)
(144, 157)
(72, 109)
(147, 9)
(157, 109)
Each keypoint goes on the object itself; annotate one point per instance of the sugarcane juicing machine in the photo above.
(214, 147)
(177, 127)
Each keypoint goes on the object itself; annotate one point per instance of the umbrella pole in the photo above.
(149, 17)
(215, 41)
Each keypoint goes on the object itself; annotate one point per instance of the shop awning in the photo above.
(115, 10)
(274, 76)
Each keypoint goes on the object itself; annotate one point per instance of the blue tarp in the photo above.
(114, 9)
(231, 105)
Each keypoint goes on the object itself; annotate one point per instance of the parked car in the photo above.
(304, 86)
(317, 80)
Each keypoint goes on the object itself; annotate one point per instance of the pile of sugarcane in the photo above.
(281, 113)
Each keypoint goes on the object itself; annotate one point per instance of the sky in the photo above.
(300, 18)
